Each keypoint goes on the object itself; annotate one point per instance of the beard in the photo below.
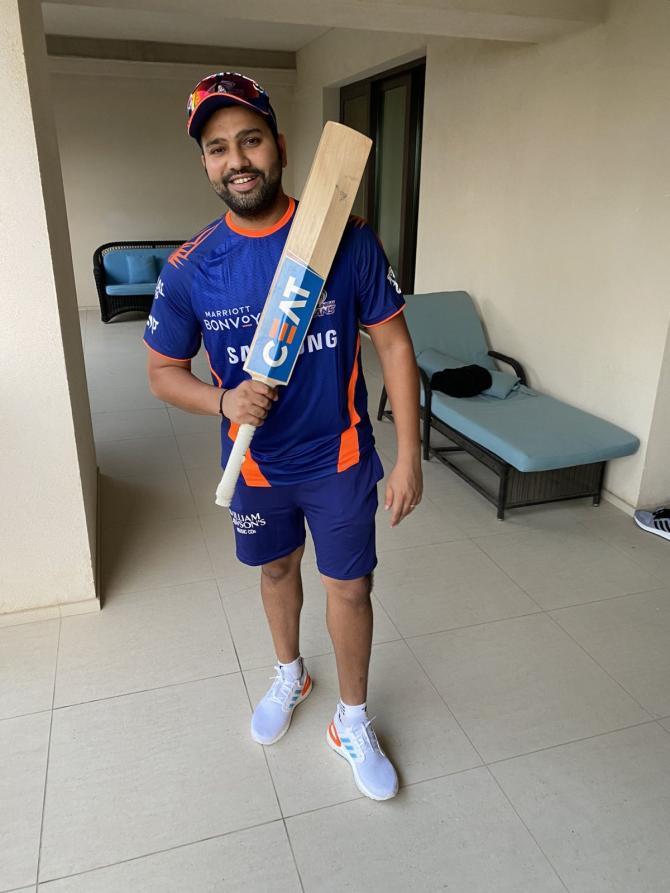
(262, 197)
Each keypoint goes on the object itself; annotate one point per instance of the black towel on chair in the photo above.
(467, 381)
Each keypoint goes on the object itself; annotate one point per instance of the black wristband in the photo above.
(223, 393)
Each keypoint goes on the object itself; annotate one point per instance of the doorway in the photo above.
(389, 109)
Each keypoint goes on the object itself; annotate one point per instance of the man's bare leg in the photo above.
(349, 621)
(281, 588)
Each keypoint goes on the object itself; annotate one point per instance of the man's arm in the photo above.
(172, 381)
(401, 377)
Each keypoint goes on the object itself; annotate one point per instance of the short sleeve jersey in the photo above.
(212, 291)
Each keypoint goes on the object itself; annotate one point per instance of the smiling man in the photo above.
(313, 460)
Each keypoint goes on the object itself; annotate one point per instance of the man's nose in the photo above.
(237, 158)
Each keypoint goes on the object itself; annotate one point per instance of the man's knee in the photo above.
(354, 592)
(279, 570)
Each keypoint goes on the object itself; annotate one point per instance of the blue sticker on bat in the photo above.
(285, 320)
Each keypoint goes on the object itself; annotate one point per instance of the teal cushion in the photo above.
(448, 322)
(534, 432)
(131, 288)
(432, 361)
(141, 267)
(502, 384)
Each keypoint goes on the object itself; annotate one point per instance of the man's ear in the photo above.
(281, 143)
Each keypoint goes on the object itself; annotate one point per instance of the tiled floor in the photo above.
(520, 676)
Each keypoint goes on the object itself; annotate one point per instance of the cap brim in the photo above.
(211, 104)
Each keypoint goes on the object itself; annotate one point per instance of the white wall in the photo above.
(544, 193)
(130, 170)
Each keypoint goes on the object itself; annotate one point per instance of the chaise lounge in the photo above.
(540, 448)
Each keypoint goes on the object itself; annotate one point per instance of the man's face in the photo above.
(242, 160)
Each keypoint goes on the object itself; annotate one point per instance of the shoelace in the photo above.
(364, 735)
(282, 689)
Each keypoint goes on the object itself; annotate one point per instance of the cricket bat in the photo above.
(303, 267)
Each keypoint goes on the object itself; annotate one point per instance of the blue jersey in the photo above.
(213, 289)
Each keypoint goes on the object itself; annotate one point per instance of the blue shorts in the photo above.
(340, 510)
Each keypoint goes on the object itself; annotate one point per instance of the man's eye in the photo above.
(215, 151)
(253, 141)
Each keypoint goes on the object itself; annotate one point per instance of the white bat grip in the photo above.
(226, 488)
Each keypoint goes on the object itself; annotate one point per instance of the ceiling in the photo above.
(175, 27)
(289, 25)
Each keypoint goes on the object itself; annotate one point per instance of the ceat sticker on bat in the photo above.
(287, 315)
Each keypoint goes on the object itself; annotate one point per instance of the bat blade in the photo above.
(314, 237)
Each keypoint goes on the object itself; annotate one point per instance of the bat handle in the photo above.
(226, 488)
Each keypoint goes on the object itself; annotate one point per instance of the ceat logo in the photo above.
(287, 310)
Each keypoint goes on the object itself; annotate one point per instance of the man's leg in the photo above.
(281, 588)
(349, 621)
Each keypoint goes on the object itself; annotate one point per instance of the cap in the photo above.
(224, 89)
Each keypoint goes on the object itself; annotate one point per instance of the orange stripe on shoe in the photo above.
(349, 447)
(306, 686)
(332, 731)
(251, 472)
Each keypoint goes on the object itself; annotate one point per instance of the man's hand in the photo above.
(249, 403)
(403, 490)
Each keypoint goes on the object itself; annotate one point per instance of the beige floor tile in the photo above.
(139, 457)
(133, 775)
(258, 861)
(131, 424)
(24, 744)
(457, 833)
(203, 482)
(251, 634)
(599, 809)
(143, 556)
(629, 638)
(523, 684)
(27, 667)
(437, 587)
(147, 499)
(115, 396)
(201, 450)
(144, 640)
(426, 524)
(562, 567)
(415, 728)
(190, 423)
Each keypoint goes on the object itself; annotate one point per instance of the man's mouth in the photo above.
(243, 182)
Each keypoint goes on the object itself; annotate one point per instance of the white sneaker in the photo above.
(373, 771)
(274, 711)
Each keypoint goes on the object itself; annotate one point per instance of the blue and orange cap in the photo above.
(223, 89)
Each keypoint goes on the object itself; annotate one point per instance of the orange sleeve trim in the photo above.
(166, 357)
(349, 446)
(251, 472)
(259, 233)
(381, 323)
(211, 369)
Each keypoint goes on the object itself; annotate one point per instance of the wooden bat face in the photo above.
(311, 244)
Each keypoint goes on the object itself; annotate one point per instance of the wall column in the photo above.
(47, 456)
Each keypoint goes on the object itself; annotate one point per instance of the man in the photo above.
(313, 458)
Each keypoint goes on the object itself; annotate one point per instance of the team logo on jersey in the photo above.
(392, 280)
(152, 323)
(325, 307)
(160, 290)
